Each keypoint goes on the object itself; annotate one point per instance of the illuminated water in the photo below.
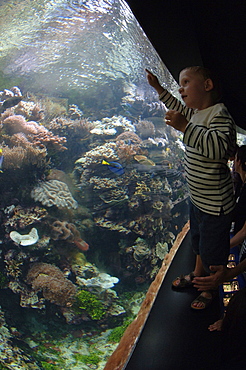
(95, 232)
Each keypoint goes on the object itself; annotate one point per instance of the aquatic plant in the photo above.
(117, 333)
(48, 366)
(91, 359)
(91, 304)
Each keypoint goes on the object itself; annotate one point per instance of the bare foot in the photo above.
(216, 326)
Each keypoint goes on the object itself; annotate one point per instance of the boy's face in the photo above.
(192, 89)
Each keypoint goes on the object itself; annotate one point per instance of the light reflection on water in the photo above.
(75, 44)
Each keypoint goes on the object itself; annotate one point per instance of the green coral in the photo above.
(3, 281)
(48, 366)
(117, 333)
(92, 359)
(91, 304)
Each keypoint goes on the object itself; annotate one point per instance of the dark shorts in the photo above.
(210, 236)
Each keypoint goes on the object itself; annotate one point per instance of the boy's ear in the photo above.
(208, 84)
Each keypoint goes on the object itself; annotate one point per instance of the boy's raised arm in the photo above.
(154, 82)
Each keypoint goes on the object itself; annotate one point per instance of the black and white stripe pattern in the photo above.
(210, 139)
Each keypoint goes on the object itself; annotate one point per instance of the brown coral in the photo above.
(55, 287)
(62, 230)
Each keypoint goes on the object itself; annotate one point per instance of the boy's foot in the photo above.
(203, 300)
(183, 281)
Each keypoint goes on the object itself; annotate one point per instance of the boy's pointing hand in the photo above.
(176, 120)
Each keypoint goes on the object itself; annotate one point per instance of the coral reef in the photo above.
(51, 281)
(54, 193)
(10, 355)
(129, 219)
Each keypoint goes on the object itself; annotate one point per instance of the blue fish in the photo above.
(115, 167)
(1, 160)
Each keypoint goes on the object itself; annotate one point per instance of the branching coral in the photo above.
(50, 280)
(54, 193)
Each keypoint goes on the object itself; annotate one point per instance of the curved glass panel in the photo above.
(92, 186)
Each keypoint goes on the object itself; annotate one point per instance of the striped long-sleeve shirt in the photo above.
(210, 139)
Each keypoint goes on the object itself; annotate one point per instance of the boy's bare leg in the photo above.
(198, 270)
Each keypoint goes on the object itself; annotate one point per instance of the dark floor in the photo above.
(176, 337)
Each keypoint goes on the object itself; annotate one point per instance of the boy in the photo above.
(210, 139)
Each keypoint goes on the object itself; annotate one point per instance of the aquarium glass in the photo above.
(92, 183)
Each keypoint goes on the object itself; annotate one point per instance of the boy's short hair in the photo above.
(207, 73)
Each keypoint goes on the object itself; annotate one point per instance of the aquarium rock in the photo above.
(161, 250)
(54, 193)
(28, 239)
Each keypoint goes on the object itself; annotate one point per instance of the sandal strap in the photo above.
(183, 282)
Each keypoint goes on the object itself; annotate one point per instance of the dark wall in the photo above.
(201, 32)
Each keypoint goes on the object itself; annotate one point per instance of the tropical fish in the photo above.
(115, 167)
(157, 170)
(10, 102)
(1, 160)
(142, 159)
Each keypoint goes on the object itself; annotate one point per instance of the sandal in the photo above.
(204, 300)
(183, 281)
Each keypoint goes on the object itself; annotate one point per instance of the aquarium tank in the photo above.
(92, 182)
